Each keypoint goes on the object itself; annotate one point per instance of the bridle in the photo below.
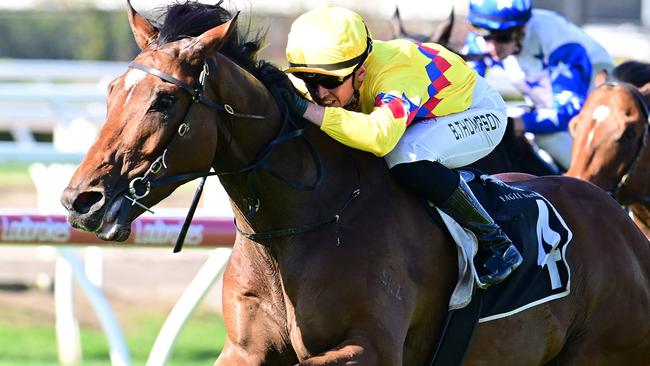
(140, 187)
(643, 143)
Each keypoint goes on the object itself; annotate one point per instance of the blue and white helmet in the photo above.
(498, 15)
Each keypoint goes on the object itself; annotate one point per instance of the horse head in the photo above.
(162, 118)
(610, 141)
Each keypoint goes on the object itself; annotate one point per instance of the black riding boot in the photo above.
(497, 256)
(497, 253)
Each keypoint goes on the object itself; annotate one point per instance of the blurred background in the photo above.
(56, 60)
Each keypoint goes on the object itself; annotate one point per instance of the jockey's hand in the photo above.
(297, 103)
(518, 126)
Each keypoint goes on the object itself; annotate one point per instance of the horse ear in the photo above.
(442, 35)
(143, 32)
(396, 24)
(212, 40)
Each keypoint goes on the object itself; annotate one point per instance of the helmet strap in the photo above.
(520, 33)
(354, 104)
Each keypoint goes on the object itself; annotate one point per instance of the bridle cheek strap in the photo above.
(642, 146)
(197, 97)
(195, 93)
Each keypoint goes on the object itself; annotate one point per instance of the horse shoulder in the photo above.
(254, 311)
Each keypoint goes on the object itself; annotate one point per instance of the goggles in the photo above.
(504, 36)
(313, 80)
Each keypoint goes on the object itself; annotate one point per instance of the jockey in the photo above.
(418, 105)
(555, 65)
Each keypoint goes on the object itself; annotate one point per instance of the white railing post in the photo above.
(67, 328)
(118, 350)
(94, 265)
(189, 300)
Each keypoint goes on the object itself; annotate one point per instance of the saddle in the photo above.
(542, 237)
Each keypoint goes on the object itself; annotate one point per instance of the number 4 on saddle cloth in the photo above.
(538, 231)
(542, 237)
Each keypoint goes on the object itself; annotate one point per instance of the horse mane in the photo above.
(190, 18)
(634, 72)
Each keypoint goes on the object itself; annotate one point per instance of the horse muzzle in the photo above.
(90, 211)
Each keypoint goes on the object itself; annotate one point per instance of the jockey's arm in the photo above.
(377, 132)
(570, 74)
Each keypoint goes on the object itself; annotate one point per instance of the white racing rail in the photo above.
(64, 98)
(32, 229)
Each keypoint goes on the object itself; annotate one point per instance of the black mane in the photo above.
(634, 72)
(190, 19)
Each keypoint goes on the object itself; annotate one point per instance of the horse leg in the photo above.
(253, 337)
(232, 355)
(254, 316)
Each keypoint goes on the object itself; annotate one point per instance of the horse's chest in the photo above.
(320, 314)
(310, 331)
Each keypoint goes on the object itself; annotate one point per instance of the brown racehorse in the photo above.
(514, 153)
(336, 264)
(611, 140)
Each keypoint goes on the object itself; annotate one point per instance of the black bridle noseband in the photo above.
(140, 187)
(625, 178)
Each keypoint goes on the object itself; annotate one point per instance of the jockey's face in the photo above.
(505, 43)
(499, 51)
(341, 96)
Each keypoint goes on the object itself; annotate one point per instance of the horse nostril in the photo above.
(85, 201)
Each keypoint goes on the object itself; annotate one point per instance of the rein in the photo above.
(280, 233)
(140, 187)
(625, 178)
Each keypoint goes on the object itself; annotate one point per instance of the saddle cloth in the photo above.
(538, 231)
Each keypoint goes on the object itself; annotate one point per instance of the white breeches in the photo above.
(458, 139)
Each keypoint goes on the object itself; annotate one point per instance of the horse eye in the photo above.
(163, 102)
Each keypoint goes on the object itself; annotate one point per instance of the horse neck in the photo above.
(281, 205)
(238, 88)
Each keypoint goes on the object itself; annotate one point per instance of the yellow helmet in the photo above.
(328, 40)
